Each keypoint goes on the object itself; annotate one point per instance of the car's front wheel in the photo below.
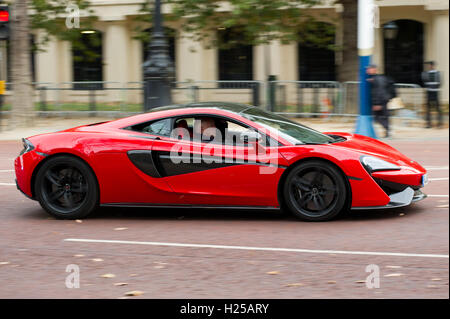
(66, 187)
(315, 191)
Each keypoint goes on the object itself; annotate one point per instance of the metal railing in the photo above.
(305, 98)
(293, 98)
(88, 97)
(249, 92)
(412, 96)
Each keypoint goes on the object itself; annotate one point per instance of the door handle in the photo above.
(146, 137)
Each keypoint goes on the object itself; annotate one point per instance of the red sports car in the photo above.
(214, 154)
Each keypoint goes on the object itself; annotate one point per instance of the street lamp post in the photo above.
(364, 125)
(158, 68)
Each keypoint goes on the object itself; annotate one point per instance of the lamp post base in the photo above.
(364, 126)
(157, 92)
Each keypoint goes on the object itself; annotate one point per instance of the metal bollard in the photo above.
(281, 100)
(255, 94)
(194, 92)
(271, 92)
(316, 106)
(300, 98)
(92, 104)
(43, 98)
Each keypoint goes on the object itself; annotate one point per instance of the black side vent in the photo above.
(391, 187)
(143, 160)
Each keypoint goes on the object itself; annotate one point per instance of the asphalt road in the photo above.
(228, 254)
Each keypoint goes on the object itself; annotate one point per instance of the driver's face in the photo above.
(206, 123)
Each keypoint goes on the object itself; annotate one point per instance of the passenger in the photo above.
(181, 130)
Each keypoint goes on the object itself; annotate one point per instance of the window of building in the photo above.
(316, 57)
(235, 58)
(403, 55)
(87, 60)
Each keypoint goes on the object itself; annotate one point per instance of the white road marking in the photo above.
(437, 195)
(311, 251)
(7, 184)
(6, 170)
(438, 179)
(436, 168)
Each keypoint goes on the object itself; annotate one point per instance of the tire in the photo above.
(315, 191)
(66, 187)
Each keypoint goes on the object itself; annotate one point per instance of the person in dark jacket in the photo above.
(382, 89)
(432, 83)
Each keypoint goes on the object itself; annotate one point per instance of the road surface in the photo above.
(185, 253)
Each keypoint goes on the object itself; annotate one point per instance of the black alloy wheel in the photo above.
(66, 187)
(315, 191)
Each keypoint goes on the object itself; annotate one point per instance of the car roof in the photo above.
(171, 110)
(218, 108)
(226, 106)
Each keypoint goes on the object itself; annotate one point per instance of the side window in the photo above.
(183, 128)
(234, 133)
(159, 127)
(209, 129)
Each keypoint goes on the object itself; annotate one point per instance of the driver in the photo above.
(205, 128)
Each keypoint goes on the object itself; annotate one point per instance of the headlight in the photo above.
(373, 164)
(27, 146)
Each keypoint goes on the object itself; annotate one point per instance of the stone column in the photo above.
(116, 57)
(47, 66)
(440, 49)
(189, 56)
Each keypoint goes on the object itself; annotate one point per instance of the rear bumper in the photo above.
(400, 199)
(17, 185)
(24, 166)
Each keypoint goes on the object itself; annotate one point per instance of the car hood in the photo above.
(370, 146)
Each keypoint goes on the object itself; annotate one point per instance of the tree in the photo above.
(348, 70)
(22, 98)
(48, 16)
(262, 21)
(259, 21)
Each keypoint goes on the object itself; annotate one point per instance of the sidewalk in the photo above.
(400, 131)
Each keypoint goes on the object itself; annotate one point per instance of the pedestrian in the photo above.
(431, 79)
(382, 89)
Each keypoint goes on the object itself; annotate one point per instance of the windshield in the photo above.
(289, 130)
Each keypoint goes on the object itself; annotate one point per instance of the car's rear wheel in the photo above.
(315, 191)
(66, 187)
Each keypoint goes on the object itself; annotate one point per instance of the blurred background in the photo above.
(300, 58)
(65, 63)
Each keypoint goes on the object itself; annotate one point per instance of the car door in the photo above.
(145, 185)
(205, 173)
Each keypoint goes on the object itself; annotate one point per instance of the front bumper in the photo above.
(400, 199)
